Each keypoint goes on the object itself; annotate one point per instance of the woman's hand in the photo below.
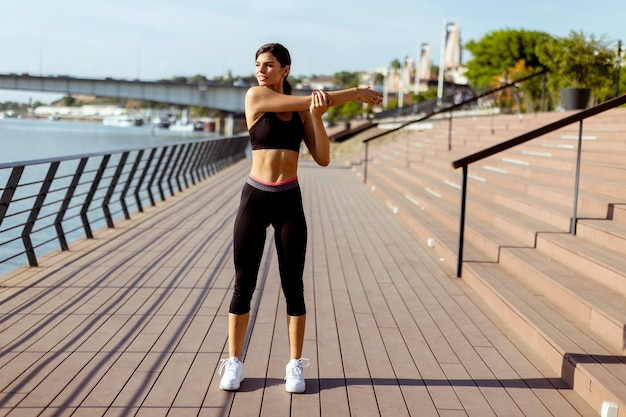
(369, 96)
(320, 101)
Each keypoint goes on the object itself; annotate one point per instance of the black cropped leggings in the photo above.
(281, 207)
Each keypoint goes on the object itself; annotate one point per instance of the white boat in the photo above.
(162, 122)
(122, 120)
(184, 125)
(9, 114)
(179, 126)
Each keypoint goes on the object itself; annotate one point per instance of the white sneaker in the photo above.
(232, 369)
(294, 378)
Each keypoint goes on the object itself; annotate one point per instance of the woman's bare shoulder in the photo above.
(258, 91)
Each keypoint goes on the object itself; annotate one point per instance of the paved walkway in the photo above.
(134, 321)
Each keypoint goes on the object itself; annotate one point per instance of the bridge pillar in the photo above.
(229, 124)
(224, 125)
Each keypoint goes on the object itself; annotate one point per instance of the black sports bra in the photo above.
(270, 132)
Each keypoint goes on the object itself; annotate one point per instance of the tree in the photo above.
(198, 78)
(500, 50)
(179, 80)
(379, 79)
(580, 61)
(346, 111)
(429, 94)
(506, 55)
(347, 79)
(69, 101)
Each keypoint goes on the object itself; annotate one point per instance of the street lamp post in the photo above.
(442, 61)
(618, 69)
(401, 84)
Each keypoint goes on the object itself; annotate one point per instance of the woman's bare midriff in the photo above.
(274, 165)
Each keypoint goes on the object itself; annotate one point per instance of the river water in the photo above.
(29, 140)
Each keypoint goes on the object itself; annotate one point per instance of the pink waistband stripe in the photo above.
(273, 186)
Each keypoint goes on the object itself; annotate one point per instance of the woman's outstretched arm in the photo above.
(363, 94)
(261, 100)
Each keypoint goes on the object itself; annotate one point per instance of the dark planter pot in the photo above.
(575, 98)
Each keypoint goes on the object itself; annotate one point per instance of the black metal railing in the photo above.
(44, 204)
(449, 105)
(518, 140)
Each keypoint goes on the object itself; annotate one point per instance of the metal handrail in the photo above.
(60, 199)
(533, 134)
(448, 109)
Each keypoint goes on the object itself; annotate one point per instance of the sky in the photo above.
(156, 39)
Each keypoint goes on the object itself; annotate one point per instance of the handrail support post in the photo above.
(577, 180)
(365, 163)
(459, 265)
(407, 162)
(450, 132)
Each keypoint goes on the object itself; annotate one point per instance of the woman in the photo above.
(277, 123)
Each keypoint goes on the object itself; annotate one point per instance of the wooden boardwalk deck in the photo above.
(133, 322)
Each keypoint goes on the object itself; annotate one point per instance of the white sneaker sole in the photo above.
(230, 387)
(295, 389)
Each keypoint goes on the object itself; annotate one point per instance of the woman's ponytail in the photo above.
(286, 86)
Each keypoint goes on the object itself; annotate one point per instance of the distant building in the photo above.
(400, 79)
(453, 62)
(424, 65)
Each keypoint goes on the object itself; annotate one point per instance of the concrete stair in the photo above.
(564, 294)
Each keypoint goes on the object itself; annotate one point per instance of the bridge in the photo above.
(224, 98)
